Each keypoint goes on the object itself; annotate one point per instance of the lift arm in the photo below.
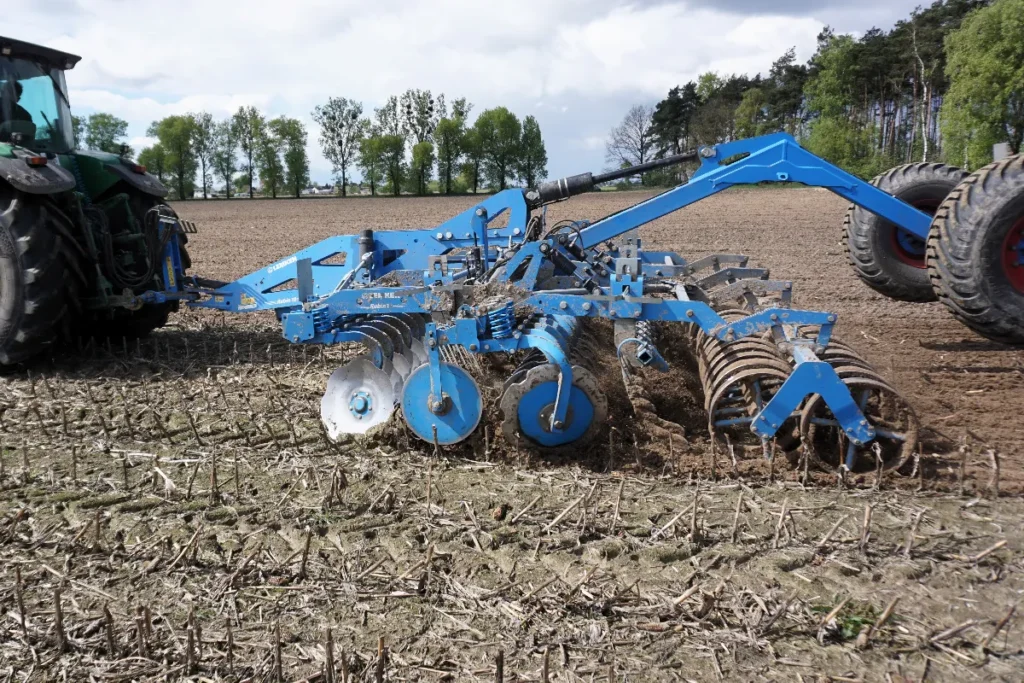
(772, 158)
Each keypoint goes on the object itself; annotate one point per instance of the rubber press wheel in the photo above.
(889, 259)
(976, 251)
(32, 276)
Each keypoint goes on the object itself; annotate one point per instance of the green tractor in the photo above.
(82, 233)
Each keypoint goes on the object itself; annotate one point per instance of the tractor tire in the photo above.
(890, 260)
(33, 272)
(976, 252)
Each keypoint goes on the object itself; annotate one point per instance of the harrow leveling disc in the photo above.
(527, 405)
(453, 415)
(359, 397)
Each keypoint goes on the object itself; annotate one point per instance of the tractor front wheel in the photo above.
(32, 277)
(976, 251)
(889, 259)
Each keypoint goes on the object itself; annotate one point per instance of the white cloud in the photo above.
(578, 63)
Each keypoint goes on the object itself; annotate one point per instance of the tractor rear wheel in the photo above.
(976, 251)
(889, 259)
(32, 276)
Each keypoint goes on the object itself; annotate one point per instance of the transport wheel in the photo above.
(976, 252)
(32, 276)
(889, 259)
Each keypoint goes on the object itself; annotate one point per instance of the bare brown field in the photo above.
(170, 510)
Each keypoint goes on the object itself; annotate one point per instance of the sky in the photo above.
(576, 65)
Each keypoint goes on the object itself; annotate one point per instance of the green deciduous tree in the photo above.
(270, 147)
(106, 133)
(422, 168)
(242, 183)
(225, 145)
(341, 132)
(155, 160)
(473, 155)
(389, 118)
(985, 103)
(248, 124)
(78, 130)
(177, 137)
(533, 157)
(203, 144)
(392, 149)
(500, 134)
(292, 134)
(371, 160)
(449, 138)
(751, 117)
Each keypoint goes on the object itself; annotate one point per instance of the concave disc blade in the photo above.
(400, 369)
(359, 397)
(419, 352)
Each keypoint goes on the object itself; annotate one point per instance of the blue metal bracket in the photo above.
(770, 158)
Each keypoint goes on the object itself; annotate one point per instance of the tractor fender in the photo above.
(101, 170)
(48, 179)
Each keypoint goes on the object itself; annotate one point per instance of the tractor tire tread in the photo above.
(859, 228)
(32, 311)
(957, 233)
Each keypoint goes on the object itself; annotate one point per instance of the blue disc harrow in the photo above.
(425, 304)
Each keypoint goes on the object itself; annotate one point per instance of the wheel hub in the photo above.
(361, 404)
(1013, 256)
(909, 248)
(528, 405)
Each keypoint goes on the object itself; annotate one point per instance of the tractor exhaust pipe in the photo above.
(563, 188)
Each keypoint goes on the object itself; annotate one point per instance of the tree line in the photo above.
(945, 84)
(410, 135)
(235, 151)
(407, 143)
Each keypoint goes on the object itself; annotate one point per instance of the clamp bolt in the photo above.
(586, 306)
(563, 305)
(472, 347)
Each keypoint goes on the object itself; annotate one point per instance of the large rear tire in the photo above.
(32, 277)
(891, 260)
(976, 251)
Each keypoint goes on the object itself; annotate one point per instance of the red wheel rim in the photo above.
(907, 247)
(1013, 256)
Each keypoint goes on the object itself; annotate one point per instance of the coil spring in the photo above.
(321, 321)
(501, 320)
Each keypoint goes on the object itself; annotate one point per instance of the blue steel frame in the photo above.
(428, 265)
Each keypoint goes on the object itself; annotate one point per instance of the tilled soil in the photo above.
(170, 509)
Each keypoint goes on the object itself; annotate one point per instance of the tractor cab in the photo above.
(34, 109)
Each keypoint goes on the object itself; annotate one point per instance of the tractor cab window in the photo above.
(34, 111)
